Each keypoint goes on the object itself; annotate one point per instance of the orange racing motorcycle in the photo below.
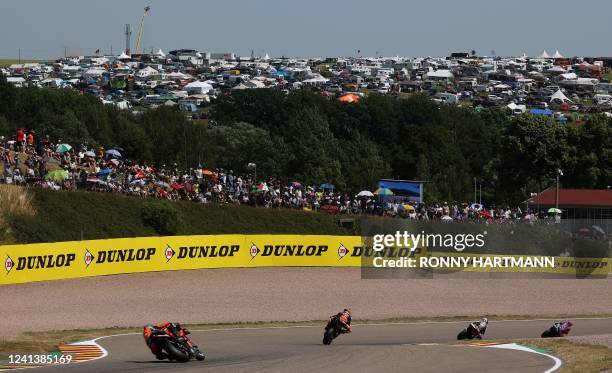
(176, 344)
(333, 329)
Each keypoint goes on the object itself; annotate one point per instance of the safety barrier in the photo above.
(40, 262)
(63, 260)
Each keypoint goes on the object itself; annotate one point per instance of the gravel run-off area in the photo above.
(283, 294)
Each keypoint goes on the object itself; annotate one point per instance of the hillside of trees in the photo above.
(310, 138)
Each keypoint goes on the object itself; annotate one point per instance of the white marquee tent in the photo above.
(198, 88)
(559, 96)
(544, 55)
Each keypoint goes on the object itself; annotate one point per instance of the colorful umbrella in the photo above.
(383, 192)
(485, 213)
(58, 175)
(114, 153)
(260, 188)
(62, 148)
(365, 193)
(408, 207)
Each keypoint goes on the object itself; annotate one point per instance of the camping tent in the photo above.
(440, 74)
(556, 69)
(146, 72)
(516, 108)
(316, 80)
(240, 86)
(544, 112)
(198, 87)
(94, 73)
(177, 76)
(253, 83)
(569, 76)
(349, 98)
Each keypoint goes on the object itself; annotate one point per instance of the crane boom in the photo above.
(138, 46)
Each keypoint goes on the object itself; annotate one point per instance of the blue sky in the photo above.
(42, 28)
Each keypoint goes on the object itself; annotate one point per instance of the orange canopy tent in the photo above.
(349, 98)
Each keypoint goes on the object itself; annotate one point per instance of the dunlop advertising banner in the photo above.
(63, 260)
(40, 262)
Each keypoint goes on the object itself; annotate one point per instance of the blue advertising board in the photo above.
(403, 190)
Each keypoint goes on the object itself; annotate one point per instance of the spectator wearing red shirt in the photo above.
(20, 139)
(30, 139)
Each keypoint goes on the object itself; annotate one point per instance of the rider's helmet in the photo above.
(347, 310)
(485, 320)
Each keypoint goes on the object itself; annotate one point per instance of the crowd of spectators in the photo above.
(55, 165)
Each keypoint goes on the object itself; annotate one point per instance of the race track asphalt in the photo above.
(370, 348)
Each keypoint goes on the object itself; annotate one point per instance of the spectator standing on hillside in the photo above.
(30, 139)
(20, 139)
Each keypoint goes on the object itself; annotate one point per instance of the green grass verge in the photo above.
(68, 216)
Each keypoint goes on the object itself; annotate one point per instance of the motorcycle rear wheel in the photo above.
(175, 353)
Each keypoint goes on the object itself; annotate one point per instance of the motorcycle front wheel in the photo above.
(199, 355)
(328, 336)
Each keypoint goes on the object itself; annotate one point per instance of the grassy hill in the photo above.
(35, 215)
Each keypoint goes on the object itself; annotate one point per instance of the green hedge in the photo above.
(68, 216)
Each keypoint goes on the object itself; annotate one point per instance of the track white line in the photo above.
(517, 347)
(357, 324)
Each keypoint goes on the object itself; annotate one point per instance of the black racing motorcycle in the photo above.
(470, 332)
(177, 345)
(332, 330)
(559, 329)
